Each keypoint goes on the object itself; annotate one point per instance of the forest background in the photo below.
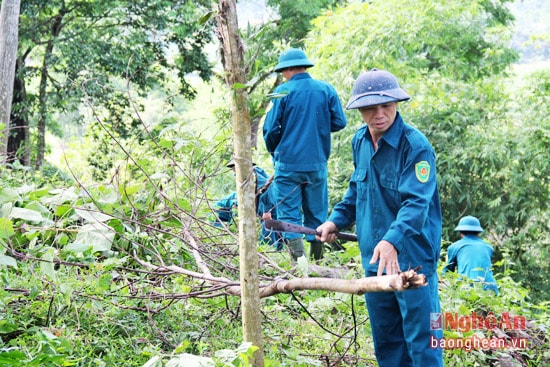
(119, 136)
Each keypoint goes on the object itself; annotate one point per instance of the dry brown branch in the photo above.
(409, 279)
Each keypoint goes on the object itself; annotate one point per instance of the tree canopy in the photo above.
(78, 50)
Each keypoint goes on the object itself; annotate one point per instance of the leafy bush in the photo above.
(513, 328)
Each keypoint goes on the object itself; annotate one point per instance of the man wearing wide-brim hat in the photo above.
(297, 131)
(471, 256)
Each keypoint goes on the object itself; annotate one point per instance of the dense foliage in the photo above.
(489, 130)
(104, 54)
(76, 288)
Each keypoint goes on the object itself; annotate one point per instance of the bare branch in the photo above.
(409, 279)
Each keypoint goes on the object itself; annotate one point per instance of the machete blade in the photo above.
(279, 226)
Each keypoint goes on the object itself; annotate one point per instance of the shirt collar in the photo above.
(304, 75)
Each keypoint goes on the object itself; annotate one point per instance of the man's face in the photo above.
(379, 118)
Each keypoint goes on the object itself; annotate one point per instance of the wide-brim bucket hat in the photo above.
(469, 224)
(292, 57)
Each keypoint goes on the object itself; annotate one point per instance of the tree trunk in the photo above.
(43, 87)
(9, 38)
(19, 139)
(43, 100)
(235, 78)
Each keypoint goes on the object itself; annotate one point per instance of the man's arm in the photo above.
(451, 261)
(338, 117)
(416, 192)
(273, 125)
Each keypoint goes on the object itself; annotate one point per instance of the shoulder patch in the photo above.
(422, 170)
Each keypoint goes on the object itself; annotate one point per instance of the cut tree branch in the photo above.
(409, 279)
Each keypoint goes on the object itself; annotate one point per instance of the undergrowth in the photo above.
(75, 297)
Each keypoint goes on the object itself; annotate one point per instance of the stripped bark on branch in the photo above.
(403, 281)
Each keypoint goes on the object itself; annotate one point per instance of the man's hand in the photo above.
(388, 258)
(327, 230)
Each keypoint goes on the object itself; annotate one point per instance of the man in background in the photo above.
(265, 204)
(297, 131)
(471, 255)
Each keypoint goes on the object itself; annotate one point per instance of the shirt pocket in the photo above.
(389, 183)
(360, 178)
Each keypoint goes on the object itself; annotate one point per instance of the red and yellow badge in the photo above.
(422, 170)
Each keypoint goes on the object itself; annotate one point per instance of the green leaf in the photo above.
(98, 235)
(39, 193)
(47, 265)
(66, 290)
(7, 194)
(6, 228)
(60, 196)
(61, 210)
(63, 239)
(7, 327)
(35, 292)
(104, 281)
(8, 261)
(166, 143)
(93, 215)
(182, 347)
(11, 357)
(38, 207)
(26, 215)
(77, 247)
(129, 189)
(206, 17)
(463, 310)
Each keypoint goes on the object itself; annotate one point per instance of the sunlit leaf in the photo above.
(99, 236)
(26, 214)
(93, 215)
(6, 228)
(8, 194)
(47, 265)
(61, 210)
(8, 261)
(77, 247)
